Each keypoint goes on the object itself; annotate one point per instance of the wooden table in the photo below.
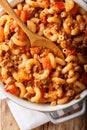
(7, 121)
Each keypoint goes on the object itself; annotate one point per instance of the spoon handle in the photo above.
(35, 39)
(10, 11)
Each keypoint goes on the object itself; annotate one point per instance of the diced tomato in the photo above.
(21, 35)
(0, 76)
(11, 89)
(74, 10)
(44, 20)
(46, 3)
(1, 34)
(24, 15)
(18, 12)
(59, 5)
(35, 50)
(84, 78)
(46, 63)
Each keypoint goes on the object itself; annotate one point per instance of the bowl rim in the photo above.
(40, 107)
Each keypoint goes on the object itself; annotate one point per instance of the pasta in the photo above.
(72, 79)
(36, 74)
(63, 100)
(52, 60)
(42, 76)
(67, 68)
(31, 25)
(30, 63)
(50, 35)
(22, 89)
(37, 96)
(58, 80)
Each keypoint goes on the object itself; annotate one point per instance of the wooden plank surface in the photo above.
(7, 121)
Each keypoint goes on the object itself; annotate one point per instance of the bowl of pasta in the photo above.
(35, 77)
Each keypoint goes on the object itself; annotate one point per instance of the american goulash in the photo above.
(35, 73)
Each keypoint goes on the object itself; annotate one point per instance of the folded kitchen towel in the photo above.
(29, 119)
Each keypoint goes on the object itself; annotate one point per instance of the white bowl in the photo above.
(41, 107)
(34, 106)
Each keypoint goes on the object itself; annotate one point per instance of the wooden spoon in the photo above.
(35, 39)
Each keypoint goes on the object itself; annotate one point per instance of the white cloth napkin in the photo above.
(29, 119)
(26, 119)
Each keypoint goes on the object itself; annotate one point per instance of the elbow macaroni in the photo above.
(36, 73)
(42, 76)
(37, 96)
(21, 88)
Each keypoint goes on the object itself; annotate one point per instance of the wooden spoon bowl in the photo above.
(35, 39)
